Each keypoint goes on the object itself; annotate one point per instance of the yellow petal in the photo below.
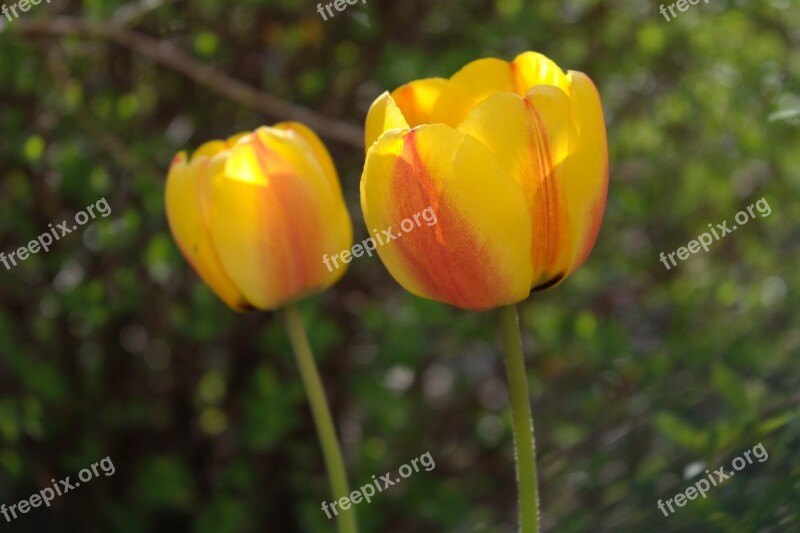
(274, 217)
(317, 147)
(453, 105)
(482, 78)
(416, 99)
(477, 253)
(383, 115)
(184, 203)
(586, 169)
(298, 143)
(209, 149)
(469, 86)
(530, 139)
(533, 68)
(212, 148)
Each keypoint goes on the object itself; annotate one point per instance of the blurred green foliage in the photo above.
(111, 346)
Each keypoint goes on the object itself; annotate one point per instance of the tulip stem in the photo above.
(522, 421)
(322, 416)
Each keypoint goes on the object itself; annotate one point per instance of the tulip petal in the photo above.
(316, 145)
(469, 86)
(209, 149)
(453, 105)
(530, 137)
(383, 115)
(304, 153)
(482, 78)
(477, 254)
(274, 217)
(586, 169)
(341, 226)
(212, 148)
(417, 98)
(184, 205)
(533, 68)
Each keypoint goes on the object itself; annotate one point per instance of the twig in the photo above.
(129, 13)
(201, 73)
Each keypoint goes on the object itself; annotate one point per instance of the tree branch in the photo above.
(201, 73)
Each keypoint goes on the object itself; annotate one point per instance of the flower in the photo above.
(254, 215)
(513, 159)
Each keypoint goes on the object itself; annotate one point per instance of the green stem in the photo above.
(322, 416)
(523, 423)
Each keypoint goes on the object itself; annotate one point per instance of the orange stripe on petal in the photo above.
(550, 110)
(530, 144)
(476, 256)
(446, 261)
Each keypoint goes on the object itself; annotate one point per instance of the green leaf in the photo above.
(731, 387)
(681, 432)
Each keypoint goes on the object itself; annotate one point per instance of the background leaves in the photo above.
(110, 345)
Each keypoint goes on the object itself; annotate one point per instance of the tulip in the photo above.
(254, 215)
(513, 159)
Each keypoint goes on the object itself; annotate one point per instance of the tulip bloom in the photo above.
(255, 214)
(513, 159)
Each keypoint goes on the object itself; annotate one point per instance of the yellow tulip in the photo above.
(513, 159)
(255, 214)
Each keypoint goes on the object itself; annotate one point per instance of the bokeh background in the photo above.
(111, 346)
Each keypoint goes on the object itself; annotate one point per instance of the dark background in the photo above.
(111, 346)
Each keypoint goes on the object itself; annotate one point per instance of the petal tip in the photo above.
(180, 157)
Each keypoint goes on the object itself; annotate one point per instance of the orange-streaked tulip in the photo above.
(255, 214)
(513, 159)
